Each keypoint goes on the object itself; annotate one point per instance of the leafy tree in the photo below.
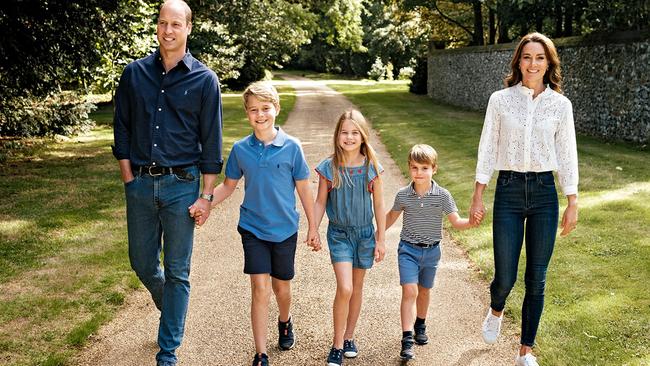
(128, 34)
(250, 36)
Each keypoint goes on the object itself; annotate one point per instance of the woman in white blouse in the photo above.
(528, 133)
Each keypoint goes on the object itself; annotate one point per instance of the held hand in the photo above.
(313, 240)
(200, 211)
(380, 248)
(569, 219)
(380, 251)
(476, 212)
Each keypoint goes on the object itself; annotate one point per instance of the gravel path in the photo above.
(218, 331)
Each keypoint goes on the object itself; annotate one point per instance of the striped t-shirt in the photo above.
(423, 215)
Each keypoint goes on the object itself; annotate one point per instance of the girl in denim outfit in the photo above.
(349, 190)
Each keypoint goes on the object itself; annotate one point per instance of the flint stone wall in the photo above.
(606, 77)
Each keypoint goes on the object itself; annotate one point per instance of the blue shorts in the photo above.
(352, 244)
(275, 258)
(417, 265)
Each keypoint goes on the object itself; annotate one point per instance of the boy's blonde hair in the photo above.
(338, 157)
(264, 91)
(423, 154)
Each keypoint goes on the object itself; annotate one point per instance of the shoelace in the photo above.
(493, 322)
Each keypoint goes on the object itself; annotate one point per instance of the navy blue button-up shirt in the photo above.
(170, 118)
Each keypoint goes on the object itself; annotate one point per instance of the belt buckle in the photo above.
(152, 174)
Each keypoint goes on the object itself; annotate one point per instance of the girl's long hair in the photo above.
(553, 75)
(338, 157)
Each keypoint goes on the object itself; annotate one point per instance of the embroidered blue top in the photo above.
(351, 203)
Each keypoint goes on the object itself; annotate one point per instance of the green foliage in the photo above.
(63, 113)
(128, 34)
(250, 36)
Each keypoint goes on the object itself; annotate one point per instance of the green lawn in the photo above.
(598, 289)
(64, 268)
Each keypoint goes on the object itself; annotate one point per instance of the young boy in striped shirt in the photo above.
(424, 203)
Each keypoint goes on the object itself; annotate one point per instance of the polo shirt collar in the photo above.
(279, 140)
(433, 190)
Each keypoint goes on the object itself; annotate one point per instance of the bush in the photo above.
(377, 70)
(419, 78)
(64, 113)
(405, 73)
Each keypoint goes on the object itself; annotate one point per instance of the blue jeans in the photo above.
(158, 220)
(525, 206)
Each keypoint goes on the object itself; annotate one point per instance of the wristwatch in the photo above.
(208, 197)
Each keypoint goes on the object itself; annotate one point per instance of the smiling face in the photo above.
(350, 137)
(421, 173)
(261, 115)
(533, 64)
(173, 28)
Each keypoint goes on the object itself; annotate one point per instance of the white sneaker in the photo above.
(526, 360)
(491, 327)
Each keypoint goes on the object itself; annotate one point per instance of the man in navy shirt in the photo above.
(167, 128)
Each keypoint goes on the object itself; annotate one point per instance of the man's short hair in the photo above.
(188, 11)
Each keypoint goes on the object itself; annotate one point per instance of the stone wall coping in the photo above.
(576, 41)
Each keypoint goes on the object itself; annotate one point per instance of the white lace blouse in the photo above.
(529, 135)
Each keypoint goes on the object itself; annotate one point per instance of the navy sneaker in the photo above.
(335, 358)
(421, 337)
(407, 348)
(286, 338)
(350, 349)
(261, 359)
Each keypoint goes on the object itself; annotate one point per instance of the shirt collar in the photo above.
(433, 190)
(186, 60)
(529, 92)
(279, 140)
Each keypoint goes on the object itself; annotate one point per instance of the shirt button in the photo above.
(159, 109)
(162, 91)
(155, 145)
(157, 127)
(154, 163)
(163, 73)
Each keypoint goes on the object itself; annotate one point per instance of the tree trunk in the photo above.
(558, 18)
(568, 19)
(492, 25)
(478, 23)
(503, 20)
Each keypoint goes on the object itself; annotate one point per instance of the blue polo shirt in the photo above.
(269, 207)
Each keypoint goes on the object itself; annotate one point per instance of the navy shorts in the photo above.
(274, 258)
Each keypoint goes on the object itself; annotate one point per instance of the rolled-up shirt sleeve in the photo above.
(122, 118)
(488, 146)
(567, 152)
(211, 126)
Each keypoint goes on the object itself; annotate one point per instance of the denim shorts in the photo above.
(417, 265)
(352, 244)
(275, 258)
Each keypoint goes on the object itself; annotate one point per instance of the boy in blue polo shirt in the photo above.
(424, 204)
(273, 165)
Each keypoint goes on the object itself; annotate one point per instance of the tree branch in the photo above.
(450, 20)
